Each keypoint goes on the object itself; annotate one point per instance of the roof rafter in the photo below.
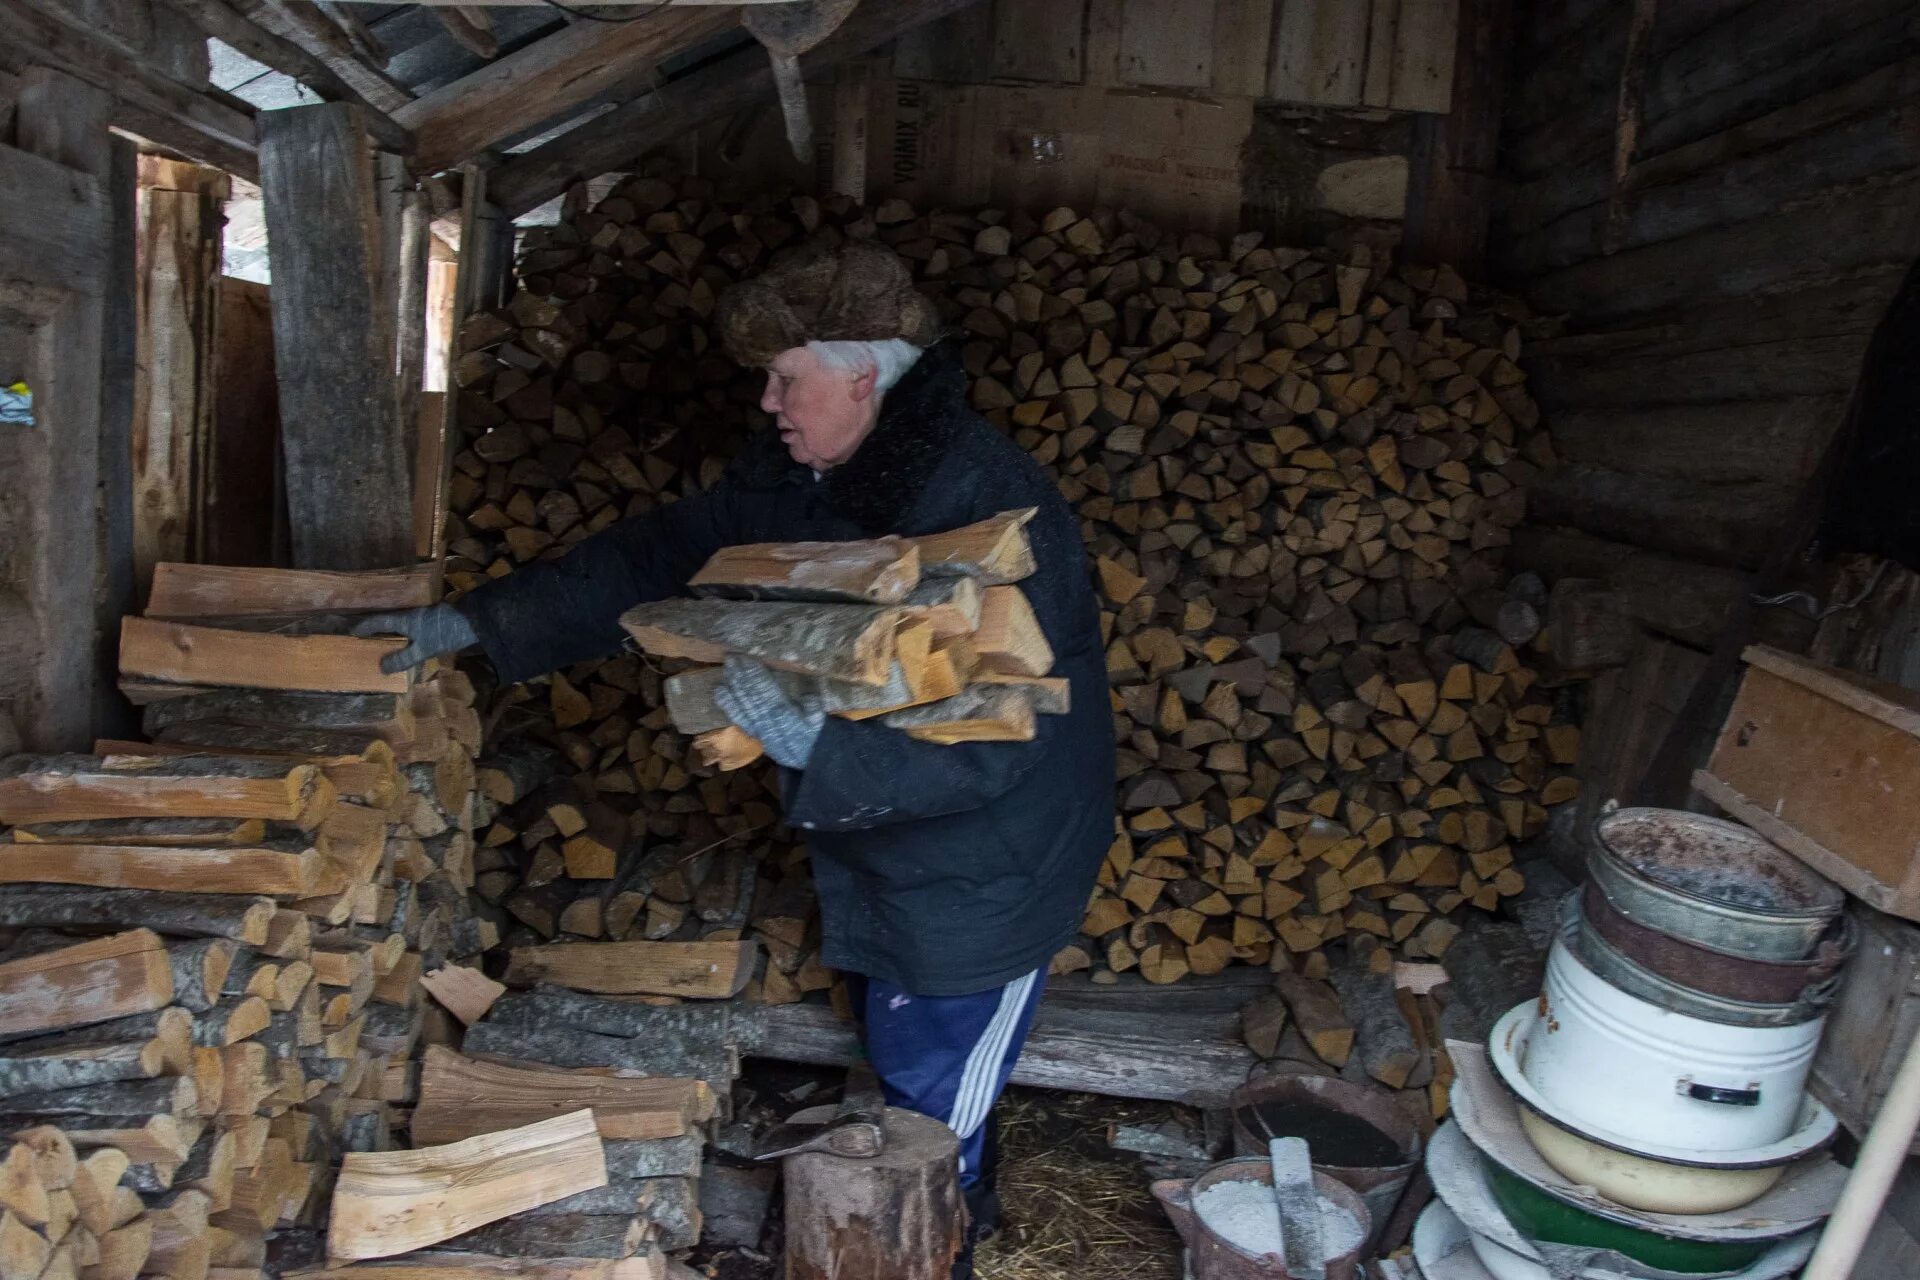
(725, 86)
(554, 76)
(221, 21)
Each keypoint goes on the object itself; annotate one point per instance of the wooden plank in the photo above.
(1040, 40)
(1864, 734)
(853, 85)
(1424, 42)
(461, 1097)
(430, 466)
(244, 508)
(392, 1201)
(1163, 43)
(729, 84)
(180, 222)
(349, 487)
(1376, 74)
(554, 76)
(182, 654)
(50, 263)
(1242, 43)
(957, 49)
(213, 590)
(1319, 54)
(706, 970)
(110, 977)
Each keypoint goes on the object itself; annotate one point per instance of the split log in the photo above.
(176, 653)
(466, 993)
(880, 571)
(1386, 1046)
(207, 590)
(461, 1097)
(103, 1064)
(993, 551)
(991, 713)
(842, 642)
(389, 1202)
(709, 970)
(160, 831)
(244, 920)
(89, 982)
(287, 868)
(386, 715)
(895, 1216)
(1319, 1015)
(72, 788)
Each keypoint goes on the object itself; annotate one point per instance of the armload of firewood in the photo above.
(928, 635)
(1296, 473)
(216, 939)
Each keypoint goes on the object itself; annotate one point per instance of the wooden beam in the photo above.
(470, 28)
(50, 262)
(552, 77)
(223, 22)
(740, 79)
(193, 122)
(304, 26)
(349, 481)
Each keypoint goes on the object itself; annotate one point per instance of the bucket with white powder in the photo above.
(1231, 1223)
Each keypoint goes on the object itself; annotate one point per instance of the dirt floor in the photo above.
(1073, 1208)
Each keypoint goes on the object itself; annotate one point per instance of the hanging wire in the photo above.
(1808, 605)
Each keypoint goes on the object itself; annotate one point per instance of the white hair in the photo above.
(888, 359)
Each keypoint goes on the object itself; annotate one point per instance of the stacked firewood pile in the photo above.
(1295, 476)
(215, 941)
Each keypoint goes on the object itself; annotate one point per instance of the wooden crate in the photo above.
(1874, 1018)
(1823, 763)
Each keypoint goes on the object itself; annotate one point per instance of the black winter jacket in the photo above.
(944, 869)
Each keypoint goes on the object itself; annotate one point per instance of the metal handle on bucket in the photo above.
(1747, 1097)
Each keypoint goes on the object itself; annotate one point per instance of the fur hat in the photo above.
(855, 291)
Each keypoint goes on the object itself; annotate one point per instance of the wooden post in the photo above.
(1450, 180)
(349, 490)
(178, 260)
(897, 1216)
(113, 715)
(54, 251)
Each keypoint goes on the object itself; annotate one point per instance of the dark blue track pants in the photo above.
(947, 1056)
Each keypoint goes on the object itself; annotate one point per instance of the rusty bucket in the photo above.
(1210, 1257)
(1357, 1133)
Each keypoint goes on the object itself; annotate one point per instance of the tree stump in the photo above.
(897, 1216)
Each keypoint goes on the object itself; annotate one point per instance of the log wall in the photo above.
(1720, 198)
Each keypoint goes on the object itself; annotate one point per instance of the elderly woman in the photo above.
(948, 876)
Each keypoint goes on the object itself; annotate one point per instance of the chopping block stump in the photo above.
(897, 1216)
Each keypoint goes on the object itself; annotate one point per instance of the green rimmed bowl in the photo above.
(1539, 1216)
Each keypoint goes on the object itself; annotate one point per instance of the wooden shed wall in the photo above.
(1209, 115)
(1722, 198)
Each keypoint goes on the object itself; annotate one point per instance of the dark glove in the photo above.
(435, 630)
(787, 727)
